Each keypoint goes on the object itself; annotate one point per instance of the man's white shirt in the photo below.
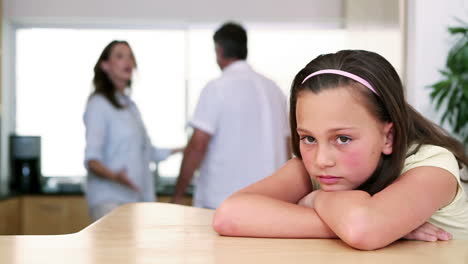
(246, 115)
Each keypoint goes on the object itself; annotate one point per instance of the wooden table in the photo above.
(166, 233)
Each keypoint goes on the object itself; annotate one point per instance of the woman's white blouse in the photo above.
(118, 139)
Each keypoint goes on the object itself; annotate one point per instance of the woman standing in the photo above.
(118, 150)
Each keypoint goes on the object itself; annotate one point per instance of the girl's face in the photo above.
(341, 143)
(120, 64)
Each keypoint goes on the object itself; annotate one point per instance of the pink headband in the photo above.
(343, 73)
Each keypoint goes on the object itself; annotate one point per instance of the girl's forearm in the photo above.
(336, 207)
(351, 216)
(254, 215)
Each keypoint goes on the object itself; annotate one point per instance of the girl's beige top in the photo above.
(452, 218)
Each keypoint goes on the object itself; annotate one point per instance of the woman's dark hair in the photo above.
(409, 126)
(102, 83)
(232, 38)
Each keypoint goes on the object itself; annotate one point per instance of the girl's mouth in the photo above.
(326, 179)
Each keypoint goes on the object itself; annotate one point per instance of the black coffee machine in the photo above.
(25, 157)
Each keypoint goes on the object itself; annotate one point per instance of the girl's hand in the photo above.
(308, 200)
(122, 178)
(428, 232)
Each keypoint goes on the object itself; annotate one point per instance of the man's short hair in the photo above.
(232, 38)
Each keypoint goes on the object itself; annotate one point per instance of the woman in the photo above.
(118, 149)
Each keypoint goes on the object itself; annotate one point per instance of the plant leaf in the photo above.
(456, 30)
(451, 92)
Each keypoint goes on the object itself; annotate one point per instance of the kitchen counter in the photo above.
(167, 233)
(74, 186)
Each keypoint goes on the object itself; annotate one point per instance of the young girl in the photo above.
(369, 169)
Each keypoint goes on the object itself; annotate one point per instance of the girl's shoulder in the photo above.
(431, 155)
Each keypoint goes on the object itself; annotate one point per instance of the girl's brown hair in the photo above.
(409, 126)
(102, 83)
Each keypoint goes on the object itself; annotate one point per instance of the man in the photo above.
(240, 127)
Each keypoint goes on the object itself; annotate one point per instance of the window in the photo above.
(54, 70)
(54, 79)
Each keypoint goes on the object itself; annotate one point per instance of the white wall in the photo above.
(371, 14)
(374, 25)
(162, 11)
(428, 42)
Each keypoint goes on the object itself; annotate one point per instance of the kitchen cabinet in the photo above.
(10, 219)
(53, 215)
(49, 214)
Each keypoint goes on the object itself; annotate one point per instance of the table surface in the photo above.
(167, 233)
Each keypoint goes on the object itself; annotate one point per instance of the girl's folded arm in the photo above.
(371, 222)
(268, 208)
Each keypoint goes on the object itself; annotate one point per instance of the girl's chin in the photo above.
(333, 188)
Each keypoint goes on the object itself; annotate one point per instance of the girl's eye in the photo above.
(308, 139)
(343, 140)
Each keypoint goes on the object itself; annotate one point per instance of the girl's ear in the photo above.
(389, 134)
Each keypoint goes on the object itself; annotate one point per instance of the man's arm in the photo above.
(193, 156)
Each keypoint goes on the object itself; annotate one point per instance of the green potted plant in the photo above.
(451, 93)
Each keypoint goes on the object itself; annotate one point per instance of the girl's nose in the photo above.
(324, 157)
